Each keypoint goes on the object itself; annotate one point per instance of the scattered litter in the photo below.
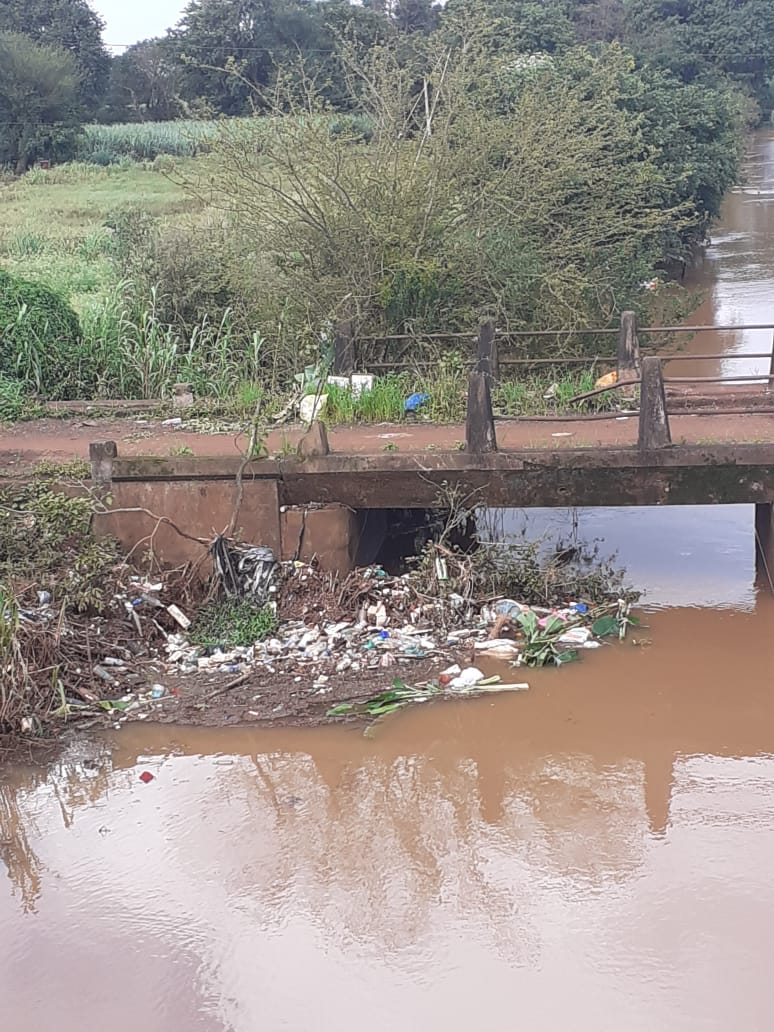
(179, 617)
(608, 380)
(312, 407)
(564, 433)
(146, 777)
(176, 421)
(415, 402)
(243, 570)
(499, 648)
(467, 678)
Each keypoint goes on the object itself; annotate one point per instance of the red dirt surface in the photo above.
(55, 440)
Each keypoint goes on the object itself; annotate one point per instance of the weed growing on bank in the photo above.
(232, 622)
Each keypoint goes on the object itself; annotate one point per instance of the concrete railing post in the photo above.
(654, 420)
(343, 349)
(488, 360)
(480, 434)
(101, 456)
(628, 358)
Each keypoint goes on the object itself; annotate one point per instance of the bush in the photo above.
(39, 337)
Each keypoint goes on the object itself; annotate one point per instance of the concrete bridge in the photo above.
(314, 502)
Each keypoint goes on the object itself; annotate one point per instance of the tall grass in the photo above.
(145, 141)
(136, 354)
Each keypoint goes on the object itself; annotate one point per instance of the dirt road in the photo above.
(56, 440)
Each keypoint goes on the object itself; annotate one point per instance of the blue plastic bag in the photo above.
(415, 402)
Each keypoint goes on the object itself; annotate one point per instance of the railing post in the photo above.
(654, 420)
(343, 349)
(480, 434)
(488, 359)
(771, 365)
(101, 456)
(628, 348)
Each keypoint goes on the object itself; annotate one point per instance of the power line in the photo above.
(210, 48)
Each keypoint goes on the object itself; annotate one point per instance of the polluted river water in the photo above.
(593, 854)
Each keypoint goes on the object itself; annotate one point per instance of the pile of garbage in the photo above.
(295, 622)
(374, 621)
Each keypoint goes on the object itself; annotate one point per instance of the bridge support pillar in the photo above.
(764, 546)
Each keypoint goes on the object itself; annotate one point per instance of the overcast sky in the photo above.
(128, 21)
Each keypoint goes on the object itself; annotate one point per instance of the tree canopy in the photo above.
(39, 100)
(71, 25)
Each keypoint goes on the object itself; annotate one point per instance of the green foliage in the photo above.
(70, 25)
(39, 338)
(145, 141)
(12, 399)
(541, 645)
(39, 105)
(537, 198)
(385, 703)
(45, 537)
(232, 622)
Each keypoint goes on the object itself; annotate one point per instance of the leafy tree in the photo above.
(71, 25)
(529, 192)
(699, 38)
(145, 84)
(518, 26)
(229, 48)
(38, 101)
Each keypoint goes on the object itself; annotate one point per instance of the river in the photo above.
(594, 854)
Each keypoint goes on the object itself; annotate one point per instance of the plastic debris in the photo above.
(146, 777)
(575, 636)
(312, 407)
(179, 617)
(499, 648)
(244, 570)
(467, 678)
(415, 402)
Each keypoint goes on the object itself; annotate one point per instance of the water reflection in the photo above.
(735, 274)
(609, 832)
(700, 555)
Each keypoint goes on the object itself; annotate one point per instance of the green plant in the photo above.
(181, 451)
(541, 644)
(387, 702)
(39, 338)
(12, 399)
(232, 622)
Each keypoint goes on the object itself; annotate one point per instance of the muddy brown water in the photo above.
(593, 854)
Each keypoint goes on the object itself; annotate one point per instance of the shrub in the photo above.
(39, 337)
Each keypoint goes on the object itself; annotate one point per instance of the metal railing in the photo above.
(633, 369)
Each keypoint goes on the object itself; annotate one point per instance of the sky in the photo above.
(128, 21)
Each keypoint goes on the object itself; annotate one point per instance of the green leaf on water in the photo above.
(340, 710)
(554, 625)
(565, 657)
(605, 626)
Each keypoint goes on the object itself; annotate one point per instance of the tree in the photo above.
(145, 84)
(230, 48)
(38, 100)
(71, 25)
(518, 26)
(527, 191)
(700, 38)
